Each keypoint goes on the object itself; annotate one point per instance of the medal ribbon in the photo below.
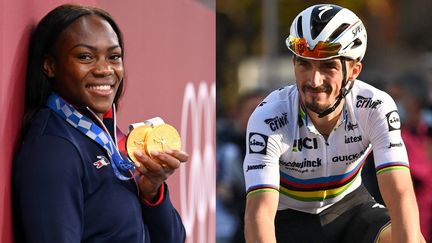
(94, 132)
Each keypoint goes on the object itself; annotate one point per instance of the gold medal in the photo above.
(147, 138)
(136, 140)
(161, 138)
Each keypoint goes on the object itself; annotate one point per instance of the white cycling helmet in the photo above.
(326, 31)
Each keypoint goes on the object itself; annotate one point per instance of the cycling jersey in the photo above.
(287, 153)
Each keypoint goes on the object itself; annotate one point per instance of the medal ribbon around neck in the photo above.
(93, 131)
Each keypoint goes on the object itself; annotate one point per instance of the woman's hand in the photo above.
(153, 173)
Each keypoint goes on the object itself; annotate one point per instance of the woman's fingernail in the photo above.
(155, 153)
(137, 164)
(138, 153)
(169, 151)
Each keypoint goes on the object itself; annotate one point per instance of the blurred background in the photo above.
(252, 60)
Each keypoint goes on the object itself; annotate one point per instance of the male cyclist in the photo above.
(308, 142)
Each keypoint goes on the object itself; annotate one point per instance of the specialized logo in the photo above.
(303, 164)
(392, 145)
(363, 102)
(350, 127)
(377, 205)
(352, 139)
(277, 122)
(350, 157)
(307, 143)
(357, 30)
(101, 162)
(257, 143)
(323, 10)
(255, 167)
(393, 120)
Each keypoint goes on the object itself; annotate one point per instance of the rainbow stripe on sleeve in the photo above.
(391, 166)
(261, 188)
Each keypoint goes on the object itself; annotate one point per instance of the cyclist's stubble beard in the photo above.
(315, 103)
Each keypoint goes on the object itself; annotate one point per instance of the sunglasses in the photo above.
(322, 50)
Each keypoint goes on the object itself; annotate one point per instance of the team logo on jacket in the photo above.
(353, 139)
(255, 167)
(302, 164)
(392, 145)
(277, 122)
(349, 157)
(363, 102)
(393, 120)
(101, 162)
(257, 143)
(350, 126)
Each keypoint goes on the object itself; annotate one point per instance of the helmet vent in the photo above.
(299, 27)
(337, 32)
(321, 16)
(356, 43)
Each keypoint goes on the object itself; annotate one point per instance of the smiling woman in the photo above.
(69, 26)
(71, 181)
(87, 60)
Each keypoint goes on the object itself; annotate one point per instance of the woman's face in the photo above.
(87, 64)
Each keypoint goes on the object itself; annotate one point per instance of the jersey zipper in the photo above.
(325, 144)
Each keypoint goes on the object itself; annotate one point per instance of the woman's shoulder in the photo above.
(48, 135)
(47, 149)
(46, 122)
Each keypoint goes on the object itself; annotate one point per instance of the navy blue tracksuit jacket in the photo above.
(65, 191)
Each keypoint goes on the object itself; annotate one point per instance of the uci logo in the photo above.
(307, 143)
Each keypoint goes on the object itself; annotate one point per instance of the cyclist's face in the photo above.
(319, 82)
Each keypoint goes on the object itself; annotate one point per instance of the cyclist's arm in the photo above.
(264, 148)
(398, 193)
(382, 127)
(260, 214)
